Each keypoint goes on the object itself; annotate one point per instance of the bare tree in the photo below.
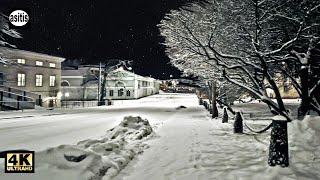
(110, 66)
(249, 41)
(6, 32)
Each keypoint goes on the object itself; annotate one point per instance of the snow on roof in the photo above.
(12, 51)
(133, 74)
(71, 73)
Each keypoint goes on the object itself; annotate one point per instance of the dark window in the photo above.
(120, 92)
(1, 78)
(111, 93)
(128, 93)
(64, 83)
(286, 88)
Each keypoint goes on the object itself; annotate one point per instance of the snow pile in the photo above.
(304, 140)
(94, 159)
(131, 128)
(304, 146)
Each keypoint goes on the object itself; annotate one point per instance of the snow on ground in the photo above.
(40, 129)
(192, 146)
(189, 146)
(92, 159)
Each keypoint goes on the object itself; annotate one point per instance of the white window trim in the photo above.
(52, 65)
(21, 61)
(52, 82)
(39, 63)
(21, 80)
(39, 82)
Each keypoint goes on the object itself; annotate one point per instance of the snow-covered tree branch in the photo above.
(5, 33)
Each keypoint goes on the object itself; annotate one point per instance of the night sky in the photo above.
(99, 30)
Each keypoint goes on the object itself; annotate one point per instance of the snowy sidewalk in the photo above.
(192, 146)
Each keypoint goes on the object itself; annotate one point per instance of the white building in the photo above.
(82, 85)
(122, 84)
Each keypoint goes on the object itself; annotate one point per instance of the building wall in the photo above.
(117, 87)
(30, 69)
(116, 84)
(285, 87)
(73, 81)
(137, 85)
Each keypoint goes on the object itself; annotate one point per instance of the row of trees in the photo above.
(5, 34)
(248, 42)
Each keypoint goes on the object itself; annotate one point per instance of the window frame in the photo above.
(52, 83)
(21, 61)
(52, 65)
(111, 93)
(39, 63)
(128, 93)
(120, 92)
(40, 82)
(21, 82)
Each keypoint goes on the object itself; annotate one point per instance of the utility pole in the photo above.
(99, 81)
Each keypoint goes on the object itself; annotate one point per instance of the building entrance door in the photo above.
(51, 103)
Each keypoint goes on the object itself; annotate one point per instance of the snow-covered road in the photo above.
(40, 129)
(187, 144)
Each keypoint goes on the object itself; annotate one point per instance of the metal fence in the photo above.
(17, 105)
(78, 104)
(19, 92)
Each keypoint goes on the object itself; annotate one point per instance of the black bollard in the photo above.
(238, 126)
(225, 115)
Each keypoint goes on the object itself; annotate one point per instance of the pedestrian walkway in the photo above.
(192, 146)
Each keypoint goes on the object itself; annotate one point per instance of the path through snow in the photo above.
(193, 146)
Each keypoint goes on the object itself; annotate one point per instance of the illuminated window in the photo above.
(21, 61)
(52, 81)
(38, 80)
(21, 79)
(53, 65)
(39, 63)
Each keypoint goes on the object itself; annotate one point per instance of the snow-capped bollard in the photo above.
(225, 115)
(200, 101)
(278, 150)
(205, 104)
(238, 126)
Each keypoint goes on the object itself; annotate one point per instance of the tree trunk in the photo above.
(103, 88)
(213, 99)
(278, 150)
(305, 101)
